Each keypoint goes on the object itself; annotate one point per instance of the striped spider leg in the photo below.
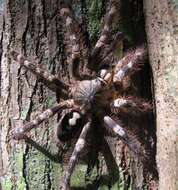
(124, 106)
(20, 133)
(49, 80)
(89, 95)
(129, 64)
(106, 45)
(125, 67)
(120, 131)
(77, 47)
(73, 159)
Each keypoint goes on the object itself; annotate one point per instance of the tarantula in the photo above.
(96, 97)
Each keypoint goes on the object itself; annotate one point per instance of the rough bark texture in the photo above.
(31, 27)
(34, 28)
(161, 27)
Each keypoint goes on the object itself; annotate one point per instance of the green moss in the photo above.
(78, 177)
(1, 4)
(16, 178)
(19, 165)
(49, 101)
(95, 15)
(36, 170)
(19, 160)
(24, 113)
(21, 185)
(7, 184)
(175, 3)
(56, 175)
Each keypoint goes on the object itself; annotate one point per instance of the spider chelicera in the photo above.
(89, 98)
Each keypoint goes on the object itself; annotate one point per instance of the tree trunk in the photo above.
(161, 28)
(31, 27)
(34, 28)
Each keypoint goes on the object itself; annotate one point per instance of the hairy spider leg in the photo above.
(20, 132)
(118, 129)
(132, 104)
(135, 107)
(108, 21)
(51, 81)
(98, 55)
(130, 141)
(77, 47)
(129, 63)
(73, 159)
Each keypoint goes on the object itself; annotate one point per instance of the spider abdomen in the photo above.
(69, 126)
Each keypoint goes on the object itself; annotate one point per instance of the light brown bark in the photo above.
(161, 28)
(22, 97)
(34, 28)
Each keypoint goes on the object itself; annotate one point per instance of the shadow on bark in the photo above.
(103, 180)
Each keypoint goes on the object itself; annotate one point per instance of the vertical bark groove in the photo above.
(25, 167)
(161, 27)
(34, 28)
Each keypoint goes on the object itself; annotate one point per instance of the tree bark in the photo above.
(161, 28)
(31, 27)
(34, 28)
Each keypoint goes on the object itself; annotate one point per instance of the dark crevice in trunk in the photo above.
(20, 92)
(30, 108)
(12, 26)
(1, 41)
(132, 21)
(47, 171)
(47, 174)
(61, 53)
(85, 21)
(44, 17)
(25, 163)
(26, 29)
(133, 26)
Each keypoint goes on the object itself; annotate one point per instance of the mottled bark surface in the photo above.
(31, 27)
(161, 27)
(34, 28)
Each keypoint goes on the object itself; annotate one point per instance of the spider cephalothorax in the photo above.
(87, 93)
(90, 100)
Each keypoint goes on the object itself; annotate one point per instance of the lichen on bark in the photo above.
(161, 27)
(35, 29)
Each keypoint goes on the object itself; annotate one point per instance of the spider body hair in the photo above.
(116, 126)
(94, 101)
(130, 105)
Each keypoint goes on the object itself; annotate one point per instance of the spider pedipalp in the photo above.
(93, 100)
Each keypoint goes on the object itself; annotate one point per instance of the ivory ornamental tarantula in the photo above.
(91, 97)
